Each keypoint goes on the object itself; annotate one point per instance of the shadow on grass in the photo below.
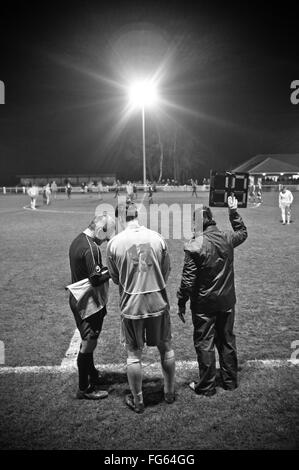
(153, 393)
(152, 387)
(112, 378)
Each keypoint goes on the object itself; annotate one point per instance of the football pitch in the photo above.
(38, 409)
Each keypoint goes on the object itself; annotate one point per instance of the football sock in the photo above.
(283, 217)
(83, 363)
(139, 398)
(168, 369)
(134, 373)
(92, 371)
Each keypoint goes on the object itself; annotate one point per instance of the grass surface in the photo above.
(36, 325)
(39, 412)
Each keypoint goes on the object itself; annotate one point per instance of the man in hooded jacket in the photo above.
(208, 282)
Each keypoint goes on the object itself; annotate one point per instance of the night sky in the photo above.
(227, 70)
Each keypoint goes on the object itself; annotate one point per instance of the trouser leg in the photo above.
(203, 337)
(226, 345)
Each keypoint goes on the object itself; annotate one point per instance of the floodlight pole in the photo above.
(143, 147)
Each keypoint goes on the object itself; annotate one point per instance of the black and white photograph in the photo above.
(149, 225)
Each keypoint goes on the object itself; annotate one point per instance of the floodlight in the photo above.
(143, 94)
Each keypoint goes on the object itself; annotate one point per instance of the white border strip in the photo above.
(72, 352)
(53, 211)
(121, 367)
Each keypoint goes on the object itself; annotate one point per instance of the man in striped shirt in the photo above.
(138, 261)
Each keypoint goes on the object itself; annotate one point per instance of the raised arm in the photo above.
(239, 233)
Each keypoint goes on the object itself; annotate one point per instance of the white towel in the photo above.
(81, 288)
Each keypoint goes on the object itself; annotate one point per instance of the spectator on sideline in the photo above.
(129, 189)
(150, 194)
(138, 261)
(117, 188)
(54, 189)
(100, 189)
(259, 192)
(85, 256)
(252, 193)
(44, 195)
(285, 202)
(194, 188)
(208, 281)
(68, 190)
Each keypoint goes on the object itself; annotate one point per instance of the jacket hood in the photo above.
(195, 244)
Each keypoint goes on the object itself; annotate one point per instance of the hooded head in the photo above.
(203, 219)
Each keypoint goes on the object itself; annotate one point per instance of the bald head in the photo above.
(103, 227)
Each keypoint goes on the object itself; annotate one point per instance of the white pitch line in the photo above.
(53, 211)
(9, 211)
(272, 362)
(72, 352)
(70, 358)
(153, 366)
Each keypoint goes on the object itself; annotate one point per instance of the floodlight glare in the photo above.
(143, 94)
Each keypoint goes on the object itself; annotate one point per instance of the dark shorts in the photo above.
(90, 327)
(151, 330)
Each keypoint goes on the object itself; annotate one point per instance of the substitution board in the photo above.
(225, 184)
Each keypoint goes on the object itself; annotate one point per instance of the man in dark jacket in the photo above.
(208, 281)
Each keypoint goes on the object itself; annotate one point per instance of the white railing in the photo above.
(61, 190)
(7, 190)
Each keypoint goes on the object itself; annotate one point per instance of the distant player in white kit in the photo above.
(54, 189)
(48, 194)
(285, 200)
(32, 192)
(129, 189)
